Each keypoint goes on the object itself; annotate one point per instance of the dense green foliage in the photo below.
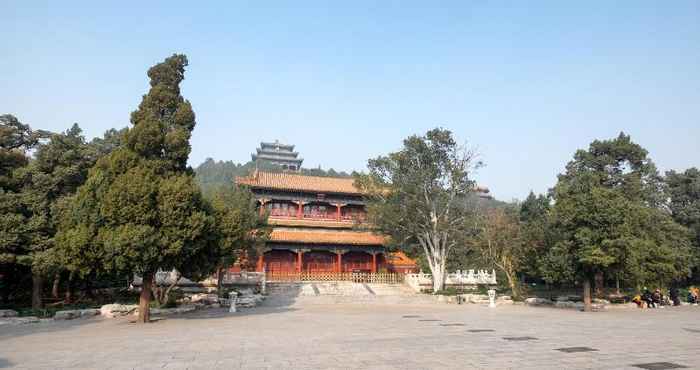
(40, 185)
(534, 216)
(607, 220)
(242, 229)
(140, 209)
(16, 139)
(684, 193)
(58, 168)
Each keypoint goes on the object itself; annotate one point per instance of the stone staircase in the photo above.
(342, 292)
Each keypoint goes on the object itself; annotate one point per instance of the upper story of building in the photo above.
(300, 200)
(279, 154)
(310, 201)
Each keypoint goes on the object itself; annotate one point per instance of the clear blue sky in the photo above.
(526, 83)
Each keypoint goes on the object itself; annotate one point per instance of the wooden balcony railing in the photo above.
(327, 216)
(321, 216)
(358, 277)
(283, 213)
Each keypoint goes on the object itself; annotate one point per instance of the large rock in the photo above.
(8, 313)
(66, 315)
(246, 302)
(568, 304)
(74, 314)
(172, 311)
(18, 320)
(478, 298)
(595, 306)
(89, 312)
(116, 310)
(538, 302)
(204, 298)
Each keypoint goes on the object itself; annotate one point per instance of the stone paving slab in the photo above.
(356, 336)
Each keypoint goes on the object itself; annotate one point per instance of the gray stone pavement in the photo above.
(367, 336)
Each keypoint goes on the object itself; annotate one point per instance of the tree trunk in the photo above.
(37, 287)
(145, 299)
(157, 293)
(587, 307)
(438, 278)
(69, 288)
(513, 283)
(56, 285)
(617, 285)
(599, 285)
(220, 281)
(88, 287)
(161, 293)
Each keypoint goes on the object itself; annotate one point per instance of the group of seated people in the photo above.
(657, 299)
(693, 295)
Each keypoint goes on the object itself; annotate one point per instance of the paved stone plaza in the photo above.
(370, 336)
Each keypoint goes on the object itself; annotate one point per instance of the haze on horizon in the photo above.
(526, 85)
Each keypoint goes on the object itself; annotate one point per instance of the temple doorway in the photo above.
(319, 261)
(280, 261)
(357, 262)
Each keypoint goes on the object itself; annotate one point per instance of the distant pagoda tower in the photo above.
(280, 154)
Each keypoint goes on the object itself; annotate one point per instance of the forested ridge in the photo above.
(212, 173)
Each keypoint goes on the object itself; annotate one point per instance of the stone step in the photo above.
(323, 300)
(342, 292)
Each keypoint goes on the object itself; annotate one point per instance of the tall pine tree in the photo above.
(605, 206)
(140, 209)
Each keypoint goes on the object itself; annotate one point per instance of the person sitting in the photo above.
(657, 298)
(647, 297)
(692, 296)
(638, 301)
(675, 296)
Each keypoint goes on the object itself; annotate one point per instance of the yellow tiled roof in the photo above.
(315, 236)
(400, 259)
(313, 184)
(289, 181)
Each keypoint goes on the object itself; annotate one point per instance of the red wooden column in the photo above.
(337, 215)
(261, 263)
(299, 259)
(339, 267)
(262, 206)
(374, 262)
(300, 211)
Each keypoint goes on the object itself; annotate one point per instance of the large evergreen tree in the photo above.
(684, 202)
(140, 209)
(533, 216)
(16, 140)
(57, 169)
(605, 206)
(684, 195)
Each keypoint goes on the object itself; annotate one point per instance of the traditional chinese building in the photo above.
(279, 154)
(315, 229)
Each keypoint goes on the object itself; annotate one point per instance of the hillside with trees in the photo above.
(211, 173)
